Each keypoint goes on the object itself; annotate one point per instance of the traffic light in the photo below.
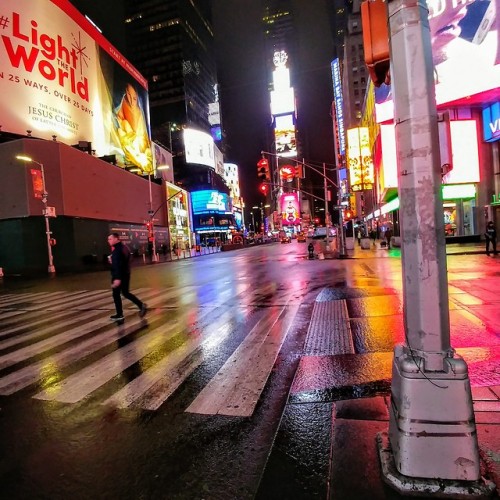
(264, 188)
(263, 171)
(374, 19)
(348, 215)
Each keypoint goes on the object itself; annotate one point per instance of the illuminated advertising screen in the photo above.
(465, 48)
(464, 150)
(210, 201)
(290, 209)
(163, 163)
(284, 136)
(389, 177)
(178, 211)
(199, 147)
(360, 159)
(60, 78)
(491, 122)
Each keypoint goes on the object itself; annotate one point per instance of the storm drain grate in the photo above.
(329, 331)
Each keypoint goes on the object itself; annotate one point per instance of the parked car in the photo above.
(301, 238)
(286, 239)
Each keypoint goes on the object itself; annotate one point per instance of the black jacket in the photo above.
(120, 261)
(491, 233)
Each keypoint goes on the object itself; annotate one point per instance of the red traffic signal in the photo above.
(264, 188)
(263, 171)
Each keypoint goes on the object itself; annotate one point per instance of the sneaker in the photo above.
(117, 317)
(143, 311)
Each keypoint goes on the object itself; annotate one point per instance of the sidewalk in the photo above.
(325, 446)
(451, 249)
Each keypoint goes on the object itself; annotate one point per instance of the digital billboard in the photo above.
(199, 147)
(491, 122)
(60, 79)
(163, 162)
(284, 136)
(465, 39)
(210, 201)
(290, 209)
(360, 159)
(464, 150)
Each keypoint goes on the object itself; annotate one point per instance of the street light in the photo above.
(51, 268)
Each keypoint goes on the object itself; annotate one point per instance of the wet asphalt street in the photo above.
(185, 403)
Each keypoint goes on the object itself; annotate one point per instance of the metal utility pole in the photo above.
(432, 430)
(327, 215)
(48, 233)
(151, 236)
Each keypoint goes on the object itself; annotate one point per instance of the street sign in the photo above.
(50, 212)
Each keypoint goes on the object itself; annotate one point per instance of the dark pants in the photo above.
(123, 289)
(493, 245)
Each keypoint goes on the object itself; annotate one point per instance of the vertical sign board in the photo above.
(339, 103)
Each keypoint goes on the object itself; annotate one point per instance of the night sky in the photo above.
(241, 66)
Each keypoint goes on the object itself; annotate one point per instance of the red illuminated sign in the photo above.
(36, 177)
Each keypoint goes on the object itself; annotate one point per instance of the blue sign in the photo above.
(491, 122)
(210, 202)
(339, 103)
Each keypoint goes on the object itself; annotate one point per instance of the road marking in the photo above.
(56, 340)
(22, 298)
(237, 386)
(84, 382)
(90, 331)
(152, 388)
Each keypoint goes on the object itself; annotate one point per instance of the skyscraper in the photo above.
(171, 42)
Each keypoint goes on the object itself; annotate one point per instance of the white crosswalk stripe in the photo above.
(66, 346)
(237, 386)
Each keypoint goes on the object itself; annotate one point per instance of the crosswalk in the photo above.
(62, 347)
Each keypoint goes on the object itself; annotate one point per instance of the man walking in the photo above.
(120, 277)
(491, 237)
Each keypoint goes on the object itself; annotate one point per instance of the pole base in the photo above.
(432, 427)
(419, 487)
(51, 270)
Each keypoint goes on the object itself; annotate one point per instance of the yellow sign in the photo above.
(360, 160)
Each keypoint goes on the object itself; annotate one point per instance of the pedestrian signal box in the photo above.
(374, 19)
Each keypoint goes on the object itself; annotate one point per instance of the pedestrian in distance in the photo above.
(491, 238)
(373, 236)
(358, 236)
(388, 237)
(120, 277)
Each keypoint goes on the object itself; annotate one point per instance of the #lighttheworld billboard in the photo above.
(60, 77)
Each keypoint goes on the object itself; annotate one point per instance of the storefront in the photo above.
(460, 212)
